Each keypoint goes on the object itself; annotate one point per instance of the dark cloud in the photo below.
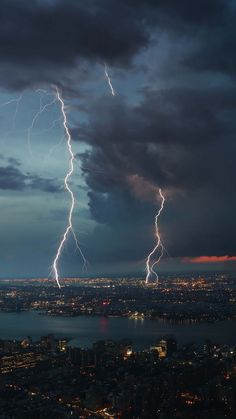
(45, 185)
(14, 162)
(215, 50)
(34, 35)
(12, 178)
(163, 139)
(183, 11)
(179, 139)
(42, 41)
(209, 27)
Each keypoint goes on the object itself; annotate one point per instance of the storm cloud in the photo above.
(36, 37)
(179, 139)
(12, 178)
(42, 41)
(171, 124)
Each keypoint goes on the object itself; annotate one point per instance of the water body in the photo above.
(85, 330)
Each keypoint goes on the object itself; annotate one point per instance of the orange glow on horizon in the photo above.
(210, 259)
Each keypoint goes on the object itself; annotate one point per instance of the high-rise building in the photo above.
(166, 347)
(62, 345)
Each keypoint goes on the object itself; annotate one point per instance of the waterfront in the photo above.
(84, 330)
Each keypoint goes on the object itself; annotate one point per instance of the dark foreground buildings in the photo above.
(49, 379)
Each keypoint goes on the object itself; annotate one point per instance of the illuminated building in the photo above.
(62, 345)
(166, 347)
(25, 343)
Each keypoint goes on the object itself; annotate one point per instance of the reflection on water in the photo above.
(178, 321)
(85, 330)
(103, 325)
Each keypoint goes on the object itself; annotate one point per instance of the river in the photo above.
(85, 330)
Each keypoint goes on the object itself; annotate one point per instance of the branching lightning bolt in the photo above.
(159, 246)
(58, 98)
(109, 80)
(69, 228)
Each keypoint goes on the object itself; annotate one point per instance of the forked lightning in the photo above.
(69, 228)
(159, 246)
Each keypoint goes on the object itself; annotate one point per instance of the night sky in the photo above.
(171, 125)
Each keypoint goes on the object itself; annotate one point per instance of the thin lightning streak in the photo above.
(54, 123)
(38, 113)
(69, 228)
(50, 152)
(16, 111)
(55, 146)
(80, 251)
(9, 102)
(109, 80)
(159, 245)
(17, 101)
(41, 93)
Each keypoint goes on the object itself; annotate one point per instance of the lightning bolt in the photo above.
(42, 108)
(109, 80)
(159, 246)
(69, 228)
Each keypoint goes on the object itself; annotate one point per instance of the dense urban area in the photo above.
(49, 377)
(205, 297)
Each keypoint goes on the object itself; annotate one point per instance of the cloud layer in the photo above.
(174, 129)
